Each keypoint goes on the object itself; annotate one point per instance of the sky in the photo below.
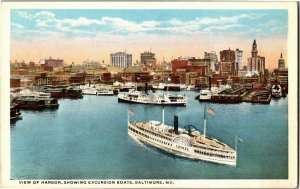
(76, 35)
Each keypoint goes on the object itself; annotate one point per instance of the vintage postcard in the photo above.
(149, 95)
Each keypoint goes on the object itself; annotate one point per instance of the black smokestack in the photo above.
(146, 88)
(176, 124)
(209, 82)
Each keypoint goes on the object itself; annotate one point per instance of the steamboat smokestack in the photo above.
(146, 88)
(176, 124)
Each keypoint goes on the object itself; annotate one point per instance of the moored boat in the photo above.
(276, 91)
(30, 103)
(261, 97)
(205, 95)
(15, 112)
(134, 96)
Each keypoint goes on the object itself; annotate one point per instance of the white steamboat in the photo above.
(134, 96)
(185, 142)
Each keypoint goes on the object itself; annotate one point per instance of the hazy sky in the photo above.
(78, 35)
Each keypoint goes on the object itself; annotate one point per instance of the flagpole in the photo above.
(128, 116)
(204, 129)
(163, 116)
(236, 147)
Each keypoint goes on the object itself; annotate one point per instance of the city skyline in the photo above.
(78, 35)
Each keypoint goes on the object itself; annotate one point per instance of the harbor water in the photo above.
(87, 139)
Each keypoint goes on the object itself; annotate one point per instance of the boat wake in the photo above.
(137, 140)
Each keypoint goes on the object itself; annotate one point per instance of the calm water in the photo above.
(87, 139)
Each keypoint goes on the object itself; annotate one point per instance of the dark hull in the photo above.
(134, 102)
(31, 106)
(226, 99)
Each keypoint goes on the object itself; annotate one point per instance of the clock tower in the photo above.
(254, 49)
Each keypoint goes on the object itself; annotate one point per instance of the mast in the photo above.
(128, 119)
(163, 116)
(204, 129)
(236, 146)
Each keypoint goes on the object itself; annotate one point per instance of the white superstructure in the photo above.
(26, 93)
(187, 142)
(105, 92)
(89, 91)
(135, 96)
(205, 94)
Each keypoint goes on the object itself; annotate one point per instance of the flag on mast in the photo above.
(211, 111)
(130, 112)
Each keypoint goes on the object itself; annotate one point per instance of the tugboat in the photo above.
(276, 91)
(15, 113)
(185, 142)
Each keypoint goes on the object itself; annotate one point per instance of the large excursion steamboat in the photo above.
(185, 142)
(134, 96)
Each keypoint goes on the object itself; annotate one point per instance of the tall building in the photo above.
(228, 63)
(227, 56)
(213, 59)
(256, 63)
(281, 63)
(148, 58)
(239, 58)
(121, 59)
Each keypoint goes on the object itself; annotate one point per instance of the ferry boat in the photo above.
(134, 96)
(73, 92)
(276, 91)
(30, 103)
(37, 103)
(27, 99)
(185, 142)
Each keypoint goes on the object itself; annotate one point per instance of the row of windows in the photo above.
(212, 149)
(153, 133)
(144, 135)
(212, 154)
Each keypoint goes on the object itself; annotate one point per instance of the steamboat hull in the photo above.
(154, 103)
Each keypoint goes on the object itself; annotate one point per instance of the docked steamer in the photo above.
(135, 96)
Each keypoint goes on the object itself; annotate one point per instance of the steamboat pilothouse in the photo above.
(186, 142)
